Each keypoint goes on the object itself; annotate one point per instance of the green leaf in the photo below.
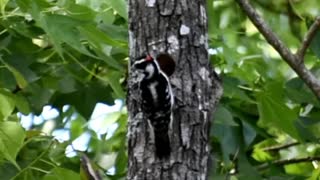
(305, 128)
(249, 133)
(299, 168)
(12, 137)
(232, 90)
(260, 154)
(113, 78)
(7, 79)
(224, 116)
(63, 29)
(272, 109)
(102, 44)
(297, 91)
(61, 173)
(116, 32)
(121, 162)
(3, 4)
(7, 104)
(22, 104)
(246, 170)
(85, 99)
(120, 6)
(229, 138)
(21, 81)
(315, 44)
(98, 38)
(33, 7)
(38, 96)
(315, 174)
(107, 17)
(81, 12)
(77, 127)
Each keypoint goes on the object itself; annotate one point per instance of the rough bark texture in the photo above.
(178, 27)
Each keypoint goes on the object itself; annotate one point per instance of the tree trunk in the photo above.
(179, 28)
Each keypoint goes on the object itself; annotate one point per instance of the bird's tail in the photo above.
(162, 144)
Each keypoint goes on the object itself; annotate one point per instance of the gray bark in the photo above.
(178, 27)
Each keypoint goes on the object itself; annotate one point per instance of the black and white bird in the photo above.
(157, 98)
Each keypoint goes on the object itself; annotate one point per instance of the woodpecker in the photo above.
(157, 99)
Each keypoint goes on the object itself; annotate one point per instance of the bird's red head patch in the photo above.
(149, 58)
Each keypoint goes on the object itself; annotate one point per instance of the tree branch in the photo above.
(288, 161)
(308, 38)
(292, 60)
(279, 147)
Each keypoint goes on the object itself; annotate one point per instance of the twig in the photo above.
(292, 60)
(34, 161)
(279, 147)
(288, 161)
(308, 38)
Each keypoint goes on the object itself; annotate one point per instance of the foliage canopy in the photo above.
(73, 54)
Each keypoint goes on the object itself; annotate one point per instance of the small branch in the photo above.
(35, 160)
(308, 38)
(280, 147)
(288, 161)
(292, 60)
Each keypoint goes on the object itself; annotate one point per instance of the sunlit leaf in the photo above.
(120, 6)
(7, 104)
(261, 155)
(61, 173)
(315, 174)
(113, 78)
(3, 4)
(12, 137)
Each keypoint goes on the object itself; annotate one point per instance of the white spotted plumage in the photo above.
(157, 102)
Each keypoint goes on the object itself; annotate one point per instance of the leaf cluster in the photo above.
(268, 120)
(66, 56)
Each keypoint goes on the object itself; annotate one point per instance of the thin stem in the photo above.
(39, 169)
(279, 147)
(34, 161)
(86, 69)
(48, 162)
(288, 161)
(308, 38)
